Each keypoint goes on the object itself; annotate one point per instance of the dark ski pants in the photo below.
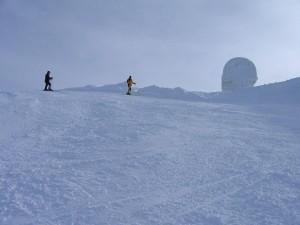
(47, 86)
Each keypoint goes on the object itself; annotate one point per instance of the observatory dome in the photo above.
(238, 73)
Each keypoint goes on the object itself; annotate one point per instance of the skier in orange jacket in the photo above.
(129, 83)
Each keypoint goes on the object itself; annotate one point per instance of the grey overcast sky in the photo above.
(169, 43)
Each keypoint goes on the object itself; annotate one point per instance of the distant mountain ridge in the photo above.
(149, 91)
(281, 92)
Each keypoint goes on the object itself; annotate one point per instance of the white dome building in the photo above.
(238, 73)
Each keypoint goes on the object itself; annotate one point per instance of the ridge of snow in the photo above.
(286, 92)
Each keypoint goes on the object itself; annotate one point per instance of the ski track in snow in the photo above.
(96, 158)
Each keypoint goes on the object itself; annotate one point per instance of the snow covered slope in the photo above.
(287, 92)
(103, 158)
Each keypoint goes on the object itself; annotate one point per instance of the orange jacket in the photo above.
(130, 82)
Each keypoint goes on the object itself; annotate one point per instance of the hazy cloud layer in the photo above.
(168, 43)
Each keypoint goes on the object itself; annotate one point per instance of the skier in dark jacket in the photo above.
(129, 83)
(47, 81)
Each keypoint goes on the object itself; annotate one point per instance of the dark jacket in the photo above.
(47, 78)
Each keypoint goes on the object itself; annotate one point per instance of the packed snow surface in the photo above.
(104, 158)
